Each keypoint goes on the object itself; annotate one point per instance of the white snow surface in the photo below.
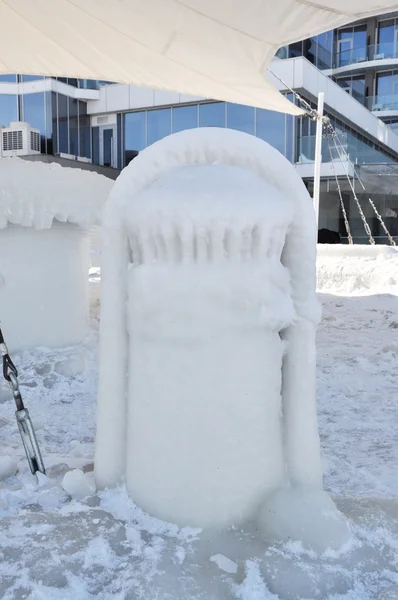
(106, 548)
(33, 194)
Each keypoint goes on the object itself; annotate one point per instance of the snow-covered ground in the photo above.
(53, 548)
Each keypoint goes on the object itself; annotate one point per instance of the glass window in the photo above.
(8, 78)
(159, 124)
(84, 131)
(63, 127)
(270, 126)
(325, 50)
(31, 77)
(240, 117)
(96, 148)
(360, 37)
(386, 31)
(73, 127)
(296, 49)
(34, 113)
(387, 39)
(49, 123)
(387, 90)
(212, 115)
(358, 88)
(8, 109)
(351, 45)
(119, 139)
(135, 131)
(185, 117)
(54, 112)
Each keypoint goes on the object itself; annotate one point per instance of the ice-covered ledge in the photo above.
(209, 306)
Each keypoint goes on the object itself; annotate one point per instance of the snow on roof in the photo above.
(32, 194)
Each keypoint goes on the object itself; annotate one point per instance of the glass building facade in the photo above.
(144, 127)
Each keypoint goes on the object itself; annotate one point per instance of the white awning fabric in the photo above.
(216, 49)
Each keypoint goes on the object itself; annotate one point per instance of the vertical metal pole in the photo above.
(318, 156)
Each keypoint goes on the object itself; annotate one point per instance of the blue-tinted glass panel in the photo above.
(108, 147)
(119, 141)
(296, 49)
(54, 110)
(270, 126)
(34, 114)
(240, 117)
(386, 31)
(212, 115)
(84, 130)
(360, 37)
(96, 152)
(63, 127)
(345, 34)
(325, 50)
(159, 124)
(49, 124)
(8, 78)
(31, 77)
(134, 135)
(8, 109)
(185, 117)
(73, 127)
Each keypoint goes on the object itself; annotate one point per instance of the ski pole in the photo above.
(25, 426)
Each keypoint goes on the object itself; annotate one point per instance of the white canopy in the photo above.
(216, 49)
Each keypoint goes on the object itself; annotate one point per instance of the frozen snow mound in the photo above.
(210, 237)
(357, 269)
(33, 194)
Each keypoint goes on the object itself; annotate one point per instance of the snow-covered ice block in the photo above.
(46, 212)
(78, 485)
(208, 305)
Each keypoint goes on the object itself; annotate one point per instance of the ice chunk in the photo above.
(78, 484)
(71, 366)
(224, 563)
(8, 467)
(305, 515)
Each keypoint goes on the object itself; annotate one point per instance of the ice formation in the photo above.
(46, 212)
(208, 305)
(357, 269)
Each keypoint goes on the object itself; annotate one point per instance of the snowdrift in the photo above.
(357, 270)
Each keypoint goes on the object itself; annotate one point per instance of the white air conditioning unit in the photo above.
(19, 139)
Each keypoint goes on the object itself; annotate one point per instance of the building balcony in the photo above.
(351, 149)
(379, 103)
(385, 54)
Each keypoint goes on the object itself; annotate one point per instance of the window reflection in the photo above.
(212, 115)
(84, 131)
(240, 117)
(96, 148)
(8, 78)
(185, 117)
(8, 109)
(270, 127)
(34, 114)
(134, 134)
(159, 124)
(63, 145)
(31, 77)
(73, 127)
